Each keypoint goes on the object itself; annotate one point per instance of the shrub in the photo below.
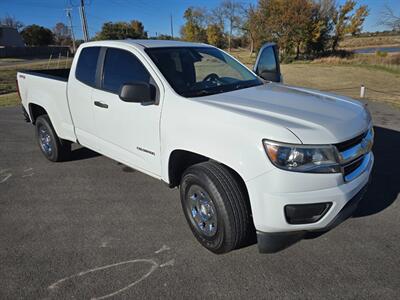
(381, 53)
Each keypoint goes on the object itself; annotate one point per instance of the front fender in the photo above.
(219, 134)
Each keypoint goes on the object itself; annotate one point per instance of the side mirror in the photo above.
(137, 92)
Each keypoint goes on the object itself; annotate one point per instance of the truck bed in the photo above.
(48, 90)
(56, 74)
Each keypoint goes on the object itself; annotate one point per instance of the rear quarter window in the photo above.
(86, 67)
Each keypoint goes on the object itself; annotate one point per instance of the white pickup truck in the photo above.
(249, 154)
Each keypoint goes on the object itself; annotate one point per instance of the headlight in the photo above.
(303, 158)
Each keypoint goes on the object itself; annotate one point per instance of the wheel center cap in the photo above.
(205, 211)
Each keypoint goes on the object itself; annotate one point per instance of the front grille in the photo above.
(343, 146)
(348, 169)
(353, 154)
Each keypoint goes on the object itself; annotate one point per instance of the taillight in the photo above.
(19, 95)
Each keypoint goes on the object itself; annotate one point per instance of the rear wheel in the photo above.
(215, 206)
(52, 147)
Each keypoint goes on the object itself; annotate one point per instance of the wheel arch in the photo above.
(179, 160)
(35, 111)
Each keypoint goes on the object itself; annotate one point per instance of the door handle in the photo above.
(100, 104)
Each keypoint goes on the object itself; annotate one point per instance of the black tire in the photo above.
(55, 149)
(228, 197)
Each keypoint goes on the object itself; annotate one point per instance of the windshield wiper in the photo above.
(245, 85)
(205, 92)
(198, 93)
(221, 89)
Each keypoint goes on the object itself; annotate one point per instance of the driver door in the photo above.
(267, 63)
(126, 131)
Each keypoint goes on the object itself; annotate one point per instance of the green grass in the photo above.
(342, 76)
(382, 82)
(7, 81)
(9, 59)
(381, 85)
(10, 99)
(370, 41)
(8, 75)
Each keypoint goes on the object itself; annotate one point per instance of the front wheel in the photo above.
(53, 148)
(215, 206)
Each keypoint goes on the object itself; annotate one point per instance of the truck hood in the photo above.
(314, 117)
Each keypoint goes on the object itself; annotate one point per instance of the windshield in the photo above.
(200, 71)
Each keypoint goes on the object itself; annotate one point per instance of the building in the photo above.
(10, 37)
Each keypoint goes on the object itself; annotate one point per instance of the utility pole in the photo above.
(68, 10)
(84, 21)
(172, 27)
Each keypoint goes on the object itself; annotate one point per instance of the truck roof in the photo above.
(150, 43)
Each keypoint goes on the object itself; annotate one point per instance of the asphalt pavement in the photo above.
(93, 228)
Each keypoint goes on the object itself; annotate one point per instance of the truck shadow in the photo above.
(82, 153)
(385, 185)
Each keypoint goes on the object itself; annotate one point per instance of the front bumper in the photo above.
(277, 241)
(272, 191)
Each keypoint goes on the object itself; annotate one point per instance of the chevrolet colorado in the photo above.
(248, 153)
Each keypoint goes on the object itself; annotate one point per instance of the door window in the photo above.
(122, 67)
(86, 67)
(267, 61)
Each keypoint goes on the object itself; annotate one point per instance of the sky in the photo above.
(154, 14)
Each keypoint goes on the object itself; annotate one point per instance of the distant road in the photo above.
(10, 63)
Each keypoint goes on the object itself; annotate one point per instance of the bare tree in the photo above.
(11, 21)
(62, 34)
(390, 19)
(251, 25)
(217, 16)
(231, 10)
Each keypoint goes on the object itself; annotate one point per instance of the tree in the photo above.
(251, 27)
(10, 21)
(231, 11)
(217, 16)
(215, 36)
(346, 23)
(301, 22)
(390, 19)
(138, 28)
(164, 37)
(285, 22)
(321, 27)
(121, 31)
(193, 30)
(35, 35)
(357, 20)
(62, 34)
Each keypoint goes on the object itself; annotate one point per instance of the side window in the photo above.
(267, 62)
(121, 67)
(86, 67)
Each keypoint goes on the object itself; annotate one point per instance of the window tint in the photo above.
(267, 62)
(86, 68)
(121, 67)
